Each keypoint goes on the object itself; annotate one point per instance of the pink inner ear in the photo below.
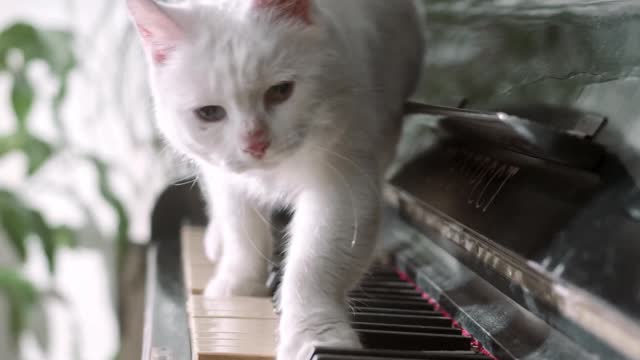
(292, 8)
(160, 33)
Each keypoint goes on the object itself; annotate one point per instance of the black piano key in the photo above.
(395, 340)
(361, 354)
(395, 322)
(381, 277)
(386, 290)
(397, 284)
(401, 304)
(389, 296)
(353, 357)
(438, 321)
(408, 328)
(383, 272)
(394, 311)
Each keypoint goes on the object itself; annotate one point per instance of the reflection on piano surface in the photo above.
(530, 244)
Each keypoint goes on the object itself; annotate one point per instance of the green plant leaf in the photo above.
(22, 37)
(52, 238)
(16, 227)
(57, 105)
(53, 47)
(46, 235)
(61, 60)
(15, 222)
(18, 222)
(10, 143)
(65, 237)
(22, 297)
(38, 152)
(21, 99)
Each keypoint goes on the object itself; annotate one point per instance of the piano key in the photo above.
(352, 357)
(381, 303)
(373, 278)
(385, 270)
(395, 340)
(407, 328)
(393, 311)
(390, 296)
(369, 354)
(388, 313)
(385, 291)
(240, 327)
(236, 307)
(438, 321)
(221, 340)
(390, 284)
(249, 351)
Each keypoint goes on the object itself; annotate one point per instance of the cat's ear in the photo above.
(160, 33)
(297, 9)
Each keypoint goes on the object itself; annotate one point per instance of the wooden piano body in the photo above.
(529, 240)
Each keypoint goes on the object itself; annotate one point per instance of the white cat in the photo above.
(294, 103)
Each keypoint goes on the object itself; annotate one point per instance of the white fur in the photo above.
(354, 67)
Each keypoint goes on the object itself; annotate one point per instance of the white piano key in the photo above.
(203, 326)
(238, 328)
(236, 307)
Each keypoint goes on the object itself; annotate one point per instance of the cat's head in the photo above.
(235, 82)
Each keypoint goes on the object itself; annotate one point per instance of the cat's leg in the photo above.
(213, 245)
(243, 232)
(333, 237)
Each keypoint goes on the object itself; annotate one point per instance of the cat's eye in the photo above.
(279, 93)
(211, 113)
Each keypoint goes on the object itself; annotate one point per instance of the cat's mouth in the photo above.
(244, 162)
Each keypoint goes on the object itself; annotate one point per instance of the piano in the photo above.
(510, 232)
(510, 237)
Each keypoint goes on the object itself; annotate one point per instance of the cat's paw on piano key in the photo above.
(224, 285)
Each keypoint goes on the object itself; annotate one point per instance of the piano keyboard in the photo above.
(393, 319)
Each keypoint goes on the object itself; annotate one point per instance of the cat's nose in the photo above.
(257, 149)
(256, 135)
(257, 143)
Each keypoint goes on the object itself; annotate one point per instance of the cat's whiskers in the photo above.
(366, 174)
(186, 181)
(353, 202)
(267, 222)
(192, 178)
(250, 238)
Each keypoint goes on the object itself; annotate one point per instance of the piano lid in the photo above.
(538, 213)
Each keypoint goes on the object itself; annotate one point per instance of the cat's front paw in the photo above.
(225, 284)
(299, 344)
